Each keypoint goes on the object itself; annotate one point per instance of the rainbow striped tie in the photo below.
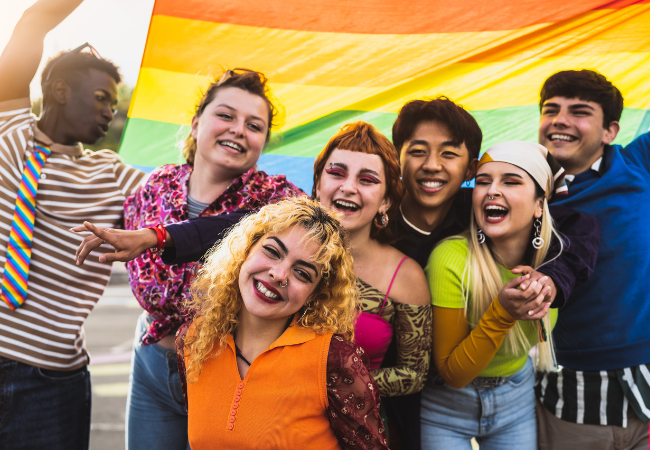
(19, 249)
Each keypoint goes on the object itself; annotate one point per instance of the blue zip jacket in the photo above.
(605, 324)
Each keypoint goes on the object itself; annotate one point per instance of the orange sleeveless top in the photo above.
(280, 404)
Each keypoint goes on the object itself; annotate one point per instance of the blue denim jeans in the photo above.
(500, 417)
(155, 410)
(43, 409)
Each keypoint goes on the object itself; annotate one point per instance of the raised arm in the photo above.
(22, 55)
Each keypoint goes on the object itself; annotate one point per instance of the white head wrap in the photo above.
(531, 157)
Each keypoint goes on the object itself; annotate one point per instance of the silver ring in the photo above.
(285, 284)
(490, 197)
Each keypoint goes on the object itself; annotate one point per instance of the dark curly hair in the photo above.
(586, 85)
(461, 125)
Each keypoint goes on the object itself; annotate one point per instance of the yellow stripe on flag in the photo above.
(159, 98)
(312, 58)
(476, 86)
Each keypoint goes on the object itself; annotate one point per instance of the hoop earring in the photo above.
(383, 221)
(301, 317)
(480, 236)
(538, 242)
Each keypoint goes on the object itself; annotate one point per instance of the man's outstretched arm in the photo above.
(22, 55)
(195, 237)
(186, 241)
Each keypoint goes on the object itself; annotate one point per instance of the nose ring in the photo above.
(285, 284)
(490, 197)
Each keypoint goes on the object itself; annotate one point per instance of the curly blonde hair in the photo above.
(331, 308)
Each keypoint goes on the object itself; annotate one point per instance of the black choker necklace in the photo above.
(240, 356)
(238, 352)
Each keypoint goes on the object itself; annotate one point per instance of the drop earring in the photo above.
(538, 242)
(304, 313)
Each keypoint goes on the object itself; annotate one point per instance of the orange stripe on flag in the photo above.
(380, 16)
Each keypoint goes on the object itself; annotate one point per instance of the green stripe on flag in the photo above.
(151, 143)
(644, 124)
(310, 138)
(520, 123)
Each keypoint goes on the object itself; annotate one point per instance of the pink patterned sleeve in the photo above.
(353, 398)
(288, 189)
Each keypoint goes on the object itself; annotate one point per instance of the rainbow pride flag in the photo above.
(336, 61)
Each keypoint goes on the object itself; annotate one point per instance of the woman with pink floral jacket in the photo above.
(230, 128)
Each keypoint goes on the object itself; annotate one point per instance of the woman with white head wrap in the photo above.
(482, 335)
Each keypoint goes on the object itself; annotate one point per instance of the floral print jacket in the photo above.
(162, 290)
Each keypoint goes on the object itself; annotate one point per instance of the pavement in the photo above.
(109, 338)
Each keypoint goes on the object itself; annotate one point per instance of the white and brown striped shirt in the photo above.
(75, 185)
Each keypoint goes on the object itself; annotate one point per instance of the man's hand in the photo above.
(525, 298)
(128, 245)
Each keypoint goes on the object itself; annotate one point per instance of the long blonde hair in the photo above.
(484, 281)
(215, 292)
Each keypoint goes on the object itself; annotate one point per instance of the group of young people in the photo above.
(393, 308)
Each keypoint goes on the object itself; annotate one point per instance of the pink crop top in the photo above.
(373, 333)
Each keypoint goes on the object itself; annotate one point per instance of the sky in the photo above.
(116, 28)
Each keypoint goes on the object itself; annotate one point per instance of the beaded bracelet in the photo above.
(161, 235)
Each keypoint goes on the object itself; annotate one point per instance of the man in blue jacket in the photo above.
(600, 397)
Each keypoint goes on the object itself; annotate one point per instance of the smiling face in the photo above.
(88, 111)
(353, 184)
(505, 202)
(231, 132)
(279, 274)
(434, 166)
(572, 130)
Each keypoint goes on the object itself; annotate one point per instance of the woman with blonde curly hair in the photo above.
(268, 357)
(357, 174)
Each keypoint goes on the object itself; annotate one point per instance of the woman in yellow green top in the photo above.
(486, 318)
